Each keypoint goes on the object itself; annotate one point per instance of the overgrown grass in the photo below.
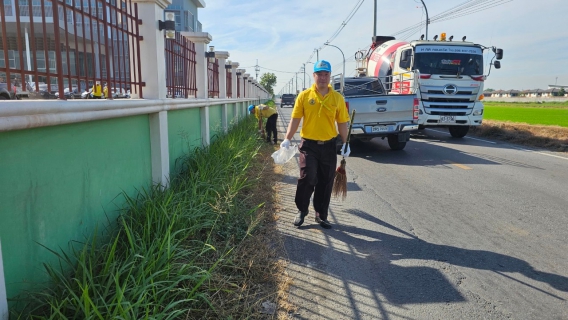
(180, 253)
(549, 115)
(553, 138)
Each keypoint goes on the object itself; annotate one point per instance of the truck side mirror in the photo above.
(499, 54)
(497, 64)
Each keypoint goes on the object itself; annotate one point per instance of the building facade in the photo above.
(186, 14)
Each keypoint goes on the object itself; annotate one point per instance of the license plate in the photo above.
(447, 119)
(380, 129)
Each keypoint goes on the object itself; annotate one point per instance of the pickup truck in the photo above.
(6, 94)
(379, 114)
(288, 99)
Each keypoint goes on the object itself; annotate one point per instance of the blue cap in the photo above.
(322, 65)
(251, 107)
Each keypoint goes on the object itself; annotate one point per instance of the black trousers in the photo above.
(317, 171)
(271, 128)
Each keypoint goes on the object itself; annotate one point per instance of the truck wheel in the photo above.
(458, 131)
(394, 144)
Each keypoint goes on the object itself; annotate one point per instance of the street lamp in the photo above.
(304, 71)
(309, 78)
(303, 84)
(427, 20)
(343, 75)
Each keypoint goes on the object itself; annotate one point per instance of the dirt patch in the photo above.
(262, 253)
(553, 138)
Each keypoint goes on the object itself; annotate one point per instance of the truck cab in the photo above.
(447, 77)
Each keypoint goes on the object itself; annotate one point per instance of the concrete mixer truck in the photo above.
(447, 76)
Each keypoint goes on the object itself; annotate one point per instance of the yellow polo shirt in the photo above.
(97, 90)
(265, 110)
(320, 113)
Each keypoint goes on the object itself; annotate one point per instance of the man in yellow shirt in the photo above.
(321, 108)
(263, 111)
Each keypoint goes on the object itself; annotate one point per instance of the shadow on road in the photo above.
(383, 264)
(434, 155)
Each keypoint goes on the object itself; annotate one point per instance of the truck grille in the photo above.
(436, 102)
(448, 100)
(469, 93)
(439, 113)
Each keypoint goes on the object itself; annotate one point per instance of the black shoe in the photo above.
(300, 218)
(323, 223)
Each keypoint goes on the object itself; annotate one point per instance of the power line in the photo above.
(463, 9)
(341, 26)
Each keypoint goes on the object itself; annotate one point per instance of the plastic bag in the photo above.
(283, 155)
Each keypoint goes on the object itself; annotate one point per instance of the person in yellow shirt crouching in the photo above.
(97, 91)
(263, 111)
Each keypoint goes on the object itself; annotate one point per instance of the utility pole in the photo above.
(304, 82)
(375, 22)
(257, 69)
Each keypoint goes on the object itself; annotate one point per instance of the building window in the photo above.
(178, 21)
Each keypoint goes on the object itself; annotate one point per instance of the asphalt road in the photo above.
(444, 229)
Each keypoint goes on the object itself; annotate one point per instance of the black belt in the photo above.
(320, 141)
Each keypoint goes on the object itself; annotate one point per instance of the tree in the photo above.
(268, 80)
(489, 90)
(562, 92)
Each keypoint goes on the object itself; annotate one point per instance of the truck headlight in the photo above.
(478, 112)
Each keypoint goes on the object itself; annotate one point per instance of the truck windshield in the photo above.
(454, 61)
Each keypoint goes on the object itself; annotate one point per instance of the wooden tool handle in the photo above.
(350, 126)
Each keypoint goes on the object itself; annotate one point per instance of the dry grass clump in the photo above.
(553, 138)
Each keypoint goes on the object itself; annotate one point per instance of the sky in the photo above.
(283, 35)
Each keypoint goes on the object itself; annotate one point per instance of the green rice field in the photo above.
(552, 113)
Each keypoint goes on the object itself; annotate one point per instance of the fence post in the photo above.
(152, 48)
(234, 80)
(223, 56)
(153, 59)
(246, 78)
(201, 40)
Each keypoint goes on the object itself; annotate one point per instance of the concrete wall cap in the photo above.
(234, 64)
(197, 37)
(222, 54)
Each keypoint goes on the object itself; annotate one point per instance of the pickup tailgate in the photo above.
(382, 109)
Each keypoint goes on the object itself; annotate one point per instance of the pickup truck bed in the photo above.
(379, 114)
